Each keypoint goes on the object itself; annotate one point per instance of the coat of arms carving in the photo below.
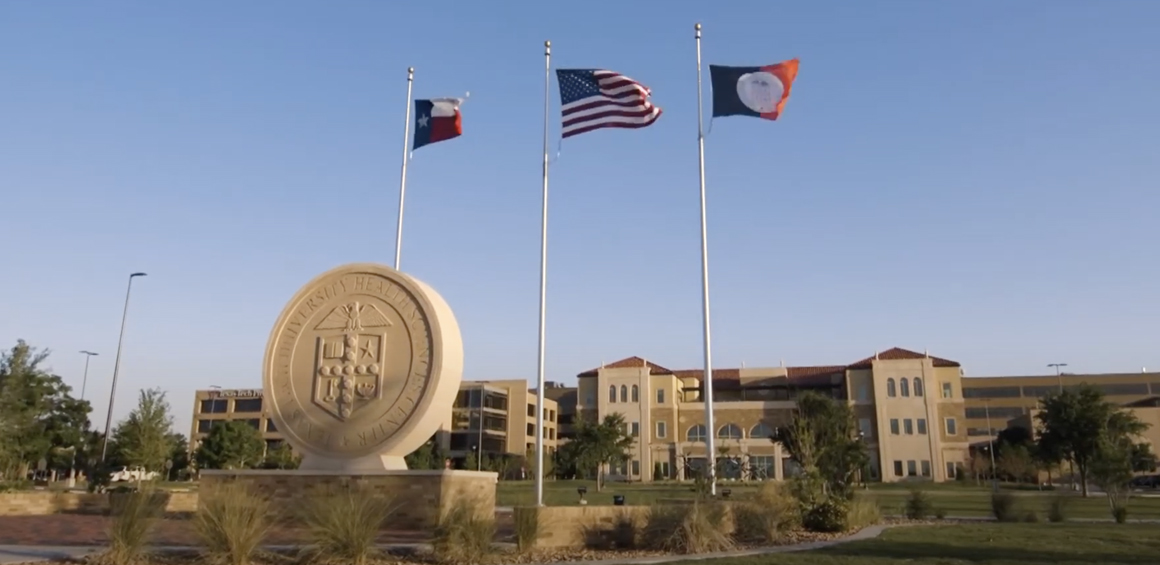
(351, 346)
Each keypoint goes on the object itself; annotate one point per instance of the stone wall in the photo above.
(420, 498)
(585, 526)
(41, 503)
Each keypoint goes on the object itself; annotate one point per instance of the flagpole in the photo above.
(403, 181)
(543, 287)
(707, 378)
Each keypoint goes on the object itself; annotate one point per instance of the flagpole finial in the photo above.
(547, 46)
(410, 73)
(698, 28)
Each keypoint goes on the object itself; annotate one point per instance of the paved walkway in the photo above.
(11, 554)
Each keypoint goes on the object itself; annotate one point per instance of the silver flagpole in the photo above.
(543, 287)
(403, 181)
(543, 291)
(707, 378)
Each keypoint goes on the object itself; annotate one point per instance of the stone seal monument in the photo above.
(362, 367)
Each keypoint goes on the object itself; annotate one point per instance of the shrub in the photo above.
(464, 534)
(829, 516)
(918, 505)
(527, 520)
(346, 524)
(1057, 509)
(134, 516)
(863, 512)
(232, 522)
(1120, 514)
(699, 527)
(1003, 507)
(771, 511)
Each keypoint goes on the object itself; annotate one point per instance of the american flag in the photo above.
(594, 99)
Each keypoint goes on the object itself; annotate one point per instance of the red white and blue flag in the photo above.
(593, 99)
(437, 119)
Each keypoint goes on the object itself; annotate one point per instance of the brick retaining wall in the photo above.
(41, 503)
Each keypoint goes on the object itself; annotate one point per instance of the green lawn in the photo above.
(987, 544)
(958, 500)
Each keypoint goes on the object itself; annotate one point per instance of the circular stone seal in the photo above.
(362, 368)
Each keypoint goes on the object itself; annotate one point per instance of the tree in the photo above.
(549, 462)
(822, 437)
(599, 444)
(1016, 462)
(38, 416)
(282, 457)
(231, 444)
(1143, 459)
(1077, 422)
(1111, 469)
(144, 438)
(178, 456)
(428, 456)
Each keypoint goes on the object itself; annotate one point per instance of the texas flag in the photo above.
(437, 120)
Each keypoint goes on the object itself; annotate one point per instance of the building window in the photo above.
(551, 415)
(662, 430)
(612, 394)
(921, 426)
(551, 433)
(948, 390)
(890, 390)
(254, 423)
(761, 431)
(898, 469)
(204, 426)
(908, 426)
(270, 427)
(623, 393)
(219, 406)
(248, 405)
(904, 386)
(926, 468)
(863, 391)
(952, 470)
(531, 410)
(665, 470)
(917, 386)
(952, 427)
(532, 430)
(911, 469)
(696, 433)
(865, 427)
(635, 393)
(635, 429)
(894, 426)
(635, 468)
(761, 466)
(729, 431)
(660, 396)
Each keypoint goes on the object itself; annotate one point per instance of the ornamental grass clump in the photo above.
(232, 522)
(344, 524)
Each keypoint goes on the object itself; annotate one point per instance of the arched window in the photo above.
(623, 393)
(890, 389)
(729, 431)
(696, 433)
(917, 386)
(612, 393)
(904, 385)
(761, 431)
(635, 393)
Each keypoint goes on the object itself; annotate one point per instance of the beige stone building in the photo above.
(909, 408)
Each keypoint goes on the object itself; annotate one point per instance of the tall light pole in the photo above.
(1058, 375)
(85, 381)
(117, 368)
(991, 445)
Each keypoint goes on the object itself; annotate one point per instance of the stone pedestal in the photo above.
(420, 498)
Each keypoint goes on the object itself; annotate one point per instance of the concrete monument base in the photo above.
(420, 498)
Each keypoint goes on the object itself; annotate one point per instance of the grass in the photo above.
(953, 499)
(345, 523)
(987, 544)
(232, 523)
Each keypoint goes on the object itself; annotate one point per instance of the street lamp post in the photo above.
(117, 368)
(85, 380)
(1058, 374)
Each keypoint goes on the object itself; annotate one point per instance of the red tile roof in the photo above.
(629, 363)
(898, 354)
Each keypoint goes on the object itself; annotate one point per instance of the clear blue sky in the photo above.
(979, 179)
